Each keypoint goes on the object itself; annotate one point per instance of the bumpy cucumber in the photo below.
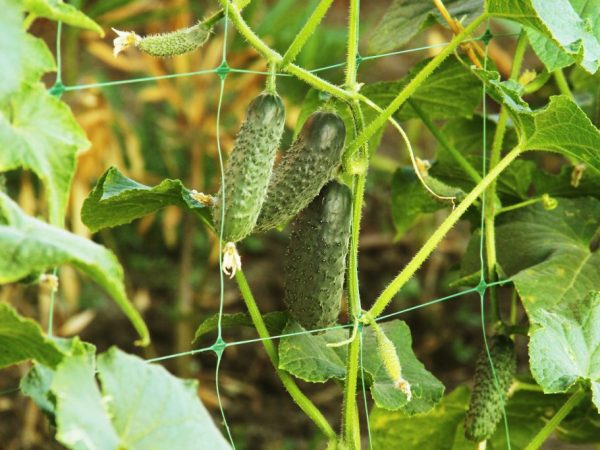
(316, 258)
(175, 43)
(487, 400)
(307, 166)
(249, 167)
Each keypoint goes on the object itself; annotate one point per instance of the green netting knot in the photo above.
(223, 70)
(481, 287)
(57, 90)
(487, 36)
(359, 60)
(219, 346)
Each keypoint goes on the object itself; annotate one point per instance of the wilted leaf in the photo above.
(22, 339)
(117, 200)
(28, 245)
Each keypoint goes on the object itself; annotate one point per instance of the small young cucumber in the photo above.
(175, 43)
(307, 166)
(249, 167)
(316, 258)
(487, 399)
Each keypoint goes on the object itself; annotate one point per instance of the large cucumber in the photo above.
(316, 258)
(487, 399)
(249, 167)
(307, 166)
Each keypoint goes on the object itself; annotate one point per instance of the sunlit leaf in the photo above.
(59, 11)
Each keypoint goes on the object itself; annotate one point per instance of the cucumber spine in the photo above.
(316, 258)
(307, 166)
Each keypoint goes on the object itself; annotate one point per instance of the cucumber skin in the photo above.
(316, 258)
(307, 166)
(249, 167)
(485, 407)
(175, 43)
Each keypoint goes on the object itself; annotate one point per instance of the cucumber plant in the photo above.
(534, 234)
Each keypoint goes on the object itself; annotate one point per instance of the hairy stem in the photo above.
(306, 31)
(290, 385)
(562, 83)
(352, 52)
(551, 425)
(412, 86)
(388, 294)
(491, 196)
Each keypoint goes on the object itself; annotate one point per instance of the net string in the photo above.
(220, 345)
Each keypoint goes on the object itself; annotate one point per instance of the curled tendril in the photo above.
(231, 260)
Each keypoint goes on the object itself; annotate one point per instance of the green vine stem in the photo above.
(389, 292)
(412, 86)
(490, 198)
(290, 385)
(306, 31)
(551, 425)
(352, 51)
(443, 140)
(562, 83)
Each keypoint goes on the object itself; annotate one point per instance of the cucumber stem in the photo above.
(290, 385)
(389, 292)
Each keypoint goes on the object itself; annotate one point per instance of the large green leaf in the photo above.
(37, 59)
(549, 254)
(436, 429)
(274, 321)
(451, 91)
(565, 345)
(307, 357)
(117, 200)
(139, 405)
(405, 18)
(22, 339)
(12, 43)
(38, 132)
(571, 25)
(59, 11)
(28, 245)
(561, 126)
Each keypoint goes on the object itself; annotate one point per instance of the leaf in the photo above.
(22, 339)
(12, 45)
(117, 200)
(139, 406)
(426, 389)
(410, 200)
(559, 185)
(568, 24)
(547, 254)
(57, 10)
(39, 132)
(274, 321)
(405, 18)
(36, 384)
(307, 357)
(564, 343)
(436, 429)
(37, 59)
(561, 126)
(451, 91)
(28, 245)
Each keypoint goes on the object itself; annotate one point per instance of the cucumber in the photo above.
(487, 399)
(316, 258)
(307, 166)
(175, 43)
(249, 167)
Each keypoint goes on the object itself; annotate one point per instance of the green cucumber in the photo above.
(175, 43)
(309, 164)
(487, 399)
(316, 258)
(249, 167)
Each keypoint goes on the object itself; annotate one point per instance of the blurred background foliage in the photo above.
(167, 129)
